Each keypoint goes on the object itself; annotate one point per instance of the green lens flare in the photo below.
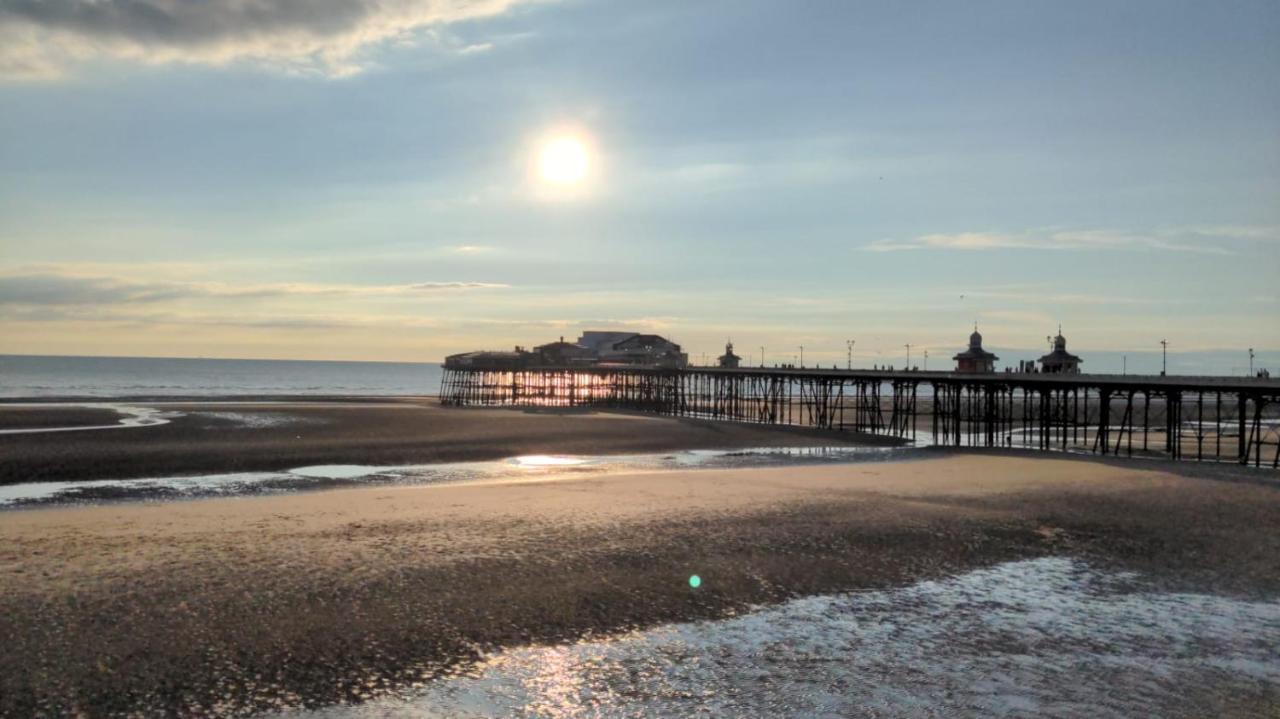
(695, 581)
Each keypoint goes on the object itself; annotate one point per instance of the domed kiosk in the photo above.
(1060, 361)
(975, 359)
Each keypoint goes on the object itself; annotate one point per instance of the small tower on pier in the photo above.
(729, 359)
(1060, 361)
(975, 359)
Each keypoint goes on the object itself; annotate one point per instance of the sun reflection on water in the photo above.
(547, 460)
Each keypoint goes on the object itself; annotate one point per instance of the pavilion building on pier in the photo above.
(1060, 361)
(975, 359)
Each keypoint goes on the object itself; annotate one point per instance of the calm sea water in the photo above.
(39, 376)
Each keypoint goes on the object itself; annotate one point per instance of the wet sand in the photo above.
(251, 603)
(214, 437)
(44, 417)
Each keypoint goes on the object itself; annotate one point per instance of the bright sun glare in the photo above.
(563, 161)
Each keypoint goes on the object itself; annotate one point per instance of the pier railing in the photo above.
(1185, 418)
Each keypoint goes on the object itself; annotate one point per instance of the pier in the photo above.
(1224, 419)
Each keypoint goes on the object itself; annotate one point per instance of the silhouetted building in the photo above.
(632, 348)
(602, 342)
(564, 353)
(594, 348)
(1060, 361)
(729, 359)
(489, 360)
(648, 350)
(975, 359)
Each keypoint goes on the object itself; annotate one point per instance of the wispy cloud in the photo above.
(1232, 232)
(959, 241)
(62, 289)
(44, 38)
(1103, 239)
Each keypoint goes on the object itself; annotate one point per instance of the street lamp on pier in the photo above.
(908, 346)
(848, 345)
(1250, 361)
(801, 356)
(1164, 357)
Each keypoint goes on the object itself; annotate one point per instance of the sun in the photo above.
(564, 161)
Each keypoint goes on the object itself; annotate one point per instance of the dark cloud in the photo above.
(52, 289)
(182, 22)
(42, 38)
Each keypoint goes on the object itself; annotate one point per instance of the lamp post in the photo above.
(908, 346)
(926, 360)
(1164, 357)
(848, 345)
(801, 356)
(1250, 361)
(761, 355)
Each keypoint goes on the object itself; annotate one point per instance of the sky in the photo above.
(360, 179)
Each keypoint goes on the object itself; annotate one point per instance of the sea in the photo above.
(36, 376)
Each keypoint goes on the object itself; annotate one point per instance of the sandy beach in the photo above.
(235, 605)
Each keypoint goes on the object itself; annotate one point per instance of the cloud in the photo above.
(61, 289)
(450, 286)
(961, 241)
(42, 39)
(1039, 240)
(1232, 232)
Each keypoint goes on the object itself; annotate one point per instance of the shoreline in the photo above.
(305, 600)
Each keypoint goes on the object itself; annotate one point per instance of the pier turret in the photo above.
(729, 359)
(975, 359)
(1060, 361)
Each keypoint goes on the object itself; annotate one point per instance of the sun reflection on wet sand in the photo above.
(548, 460)
(1045, 636)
